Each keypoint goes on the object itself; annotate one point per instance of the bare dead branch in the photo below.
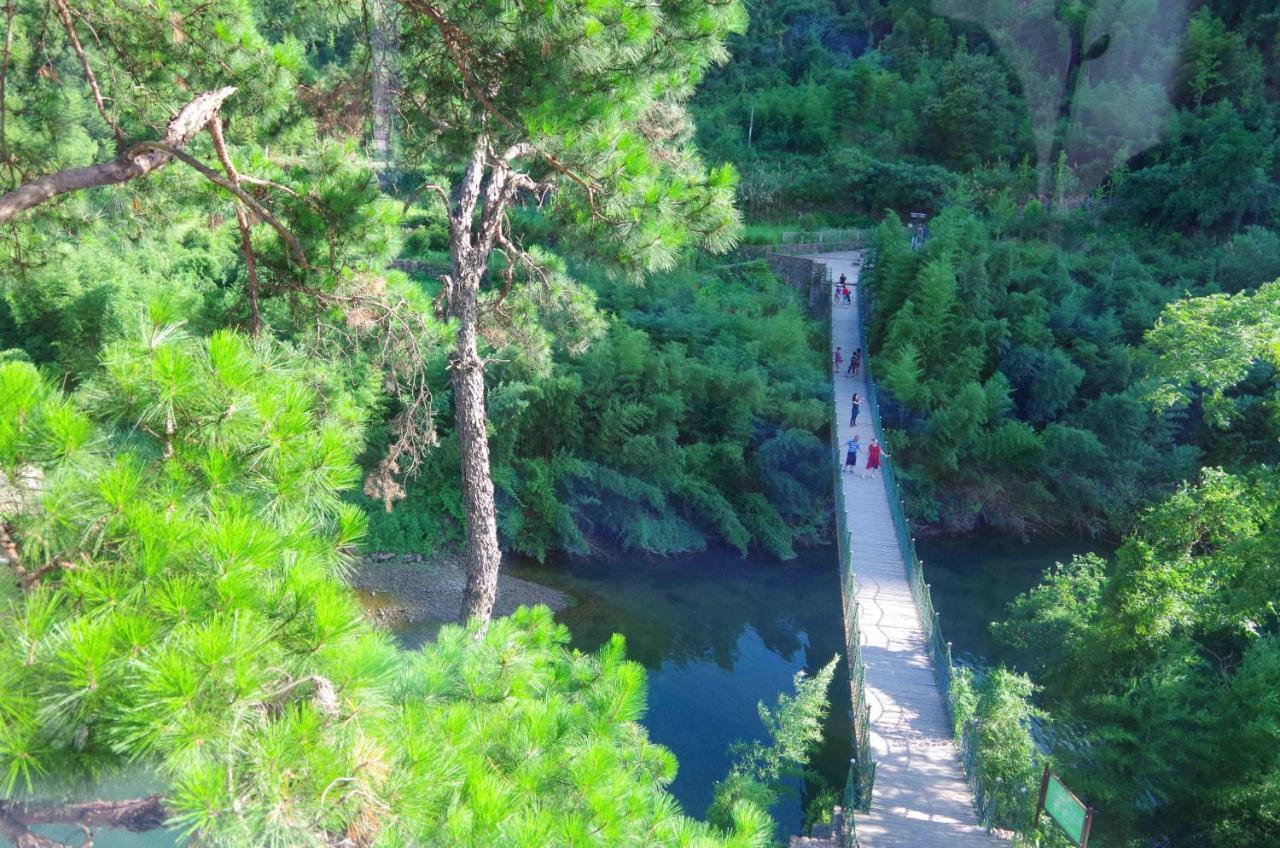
(27, 577)
(136, 161)
(242, 221)
(244, 197)
(517, 150)
(422, 189)
(65, 15)
(136, 815)
(258, 181)
(324, 696)
(18, 834)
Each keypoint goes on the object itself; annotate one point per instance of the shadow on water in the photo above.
(718, 633)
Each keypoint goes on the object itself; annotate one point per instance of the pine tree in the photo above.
(171, 542)
(578, 107)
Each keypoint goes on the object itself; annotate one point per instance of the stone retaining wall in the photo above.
(807, 277)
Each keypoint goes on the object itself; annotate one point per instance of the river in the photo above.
(718, 633)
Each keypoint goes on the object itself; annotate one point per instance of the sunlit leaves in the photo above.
(194, 630)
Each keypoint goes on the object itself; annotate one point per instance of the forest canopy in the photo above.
(283, 283)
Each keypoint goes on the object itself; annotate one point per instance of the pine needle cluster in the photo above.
(170, 606)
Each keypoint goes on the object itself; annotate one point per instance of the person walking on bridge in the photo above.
(838, 359)
(855, 362)
(873, 459)
(851, 457)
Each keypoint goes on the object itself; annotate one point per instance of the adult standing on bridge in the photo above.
(873, 458)
(851, 457)
(855, 362)
(838, 359)
(853, 413)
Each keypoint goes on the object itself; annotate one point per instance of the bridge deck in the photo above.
(921, 798)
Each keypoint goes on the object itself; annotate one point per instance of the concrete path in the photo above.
(921, 798)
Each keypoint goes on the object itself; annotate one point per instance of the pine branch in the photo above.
(244, 197)
(136, 161)
(455, 40)
(64, 14)
(242, 221)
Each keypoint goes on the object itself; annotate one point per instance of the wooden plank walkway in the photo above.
(921, 798)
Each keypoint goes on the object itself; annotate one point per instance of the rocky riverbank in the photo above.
(400, 589)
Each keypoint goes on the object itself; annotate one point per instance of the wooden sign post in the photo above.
(1074, 816)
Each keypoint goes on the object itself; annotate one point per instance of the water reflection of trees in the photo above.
(697, 609)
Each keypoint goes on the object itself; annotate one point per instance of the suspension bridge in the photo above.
(907, 779)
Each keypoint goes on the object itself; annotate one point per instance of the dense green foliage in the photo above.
(760, 770)
(992, 712)
(1012, 343)
(176, 609)
(1167, 656)
(694, 416)
(1014, 379)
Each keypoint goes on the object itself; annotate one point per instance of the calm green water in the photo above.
(718, 633)
(973, 579)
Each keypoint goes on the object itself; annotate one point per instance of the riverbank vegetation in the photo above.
(696, 414)
(1080, 345)
(764, 771)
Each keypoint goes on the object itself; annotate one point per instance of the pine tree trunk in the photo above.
(384, 43)
(483, 555)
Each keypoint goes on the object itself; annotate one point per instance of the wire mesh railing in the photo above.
(862, 767)
(939, 648)
(828, 236)
(802, 242)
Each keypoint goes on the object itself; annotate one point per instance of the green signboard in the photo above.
(1071, 814)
